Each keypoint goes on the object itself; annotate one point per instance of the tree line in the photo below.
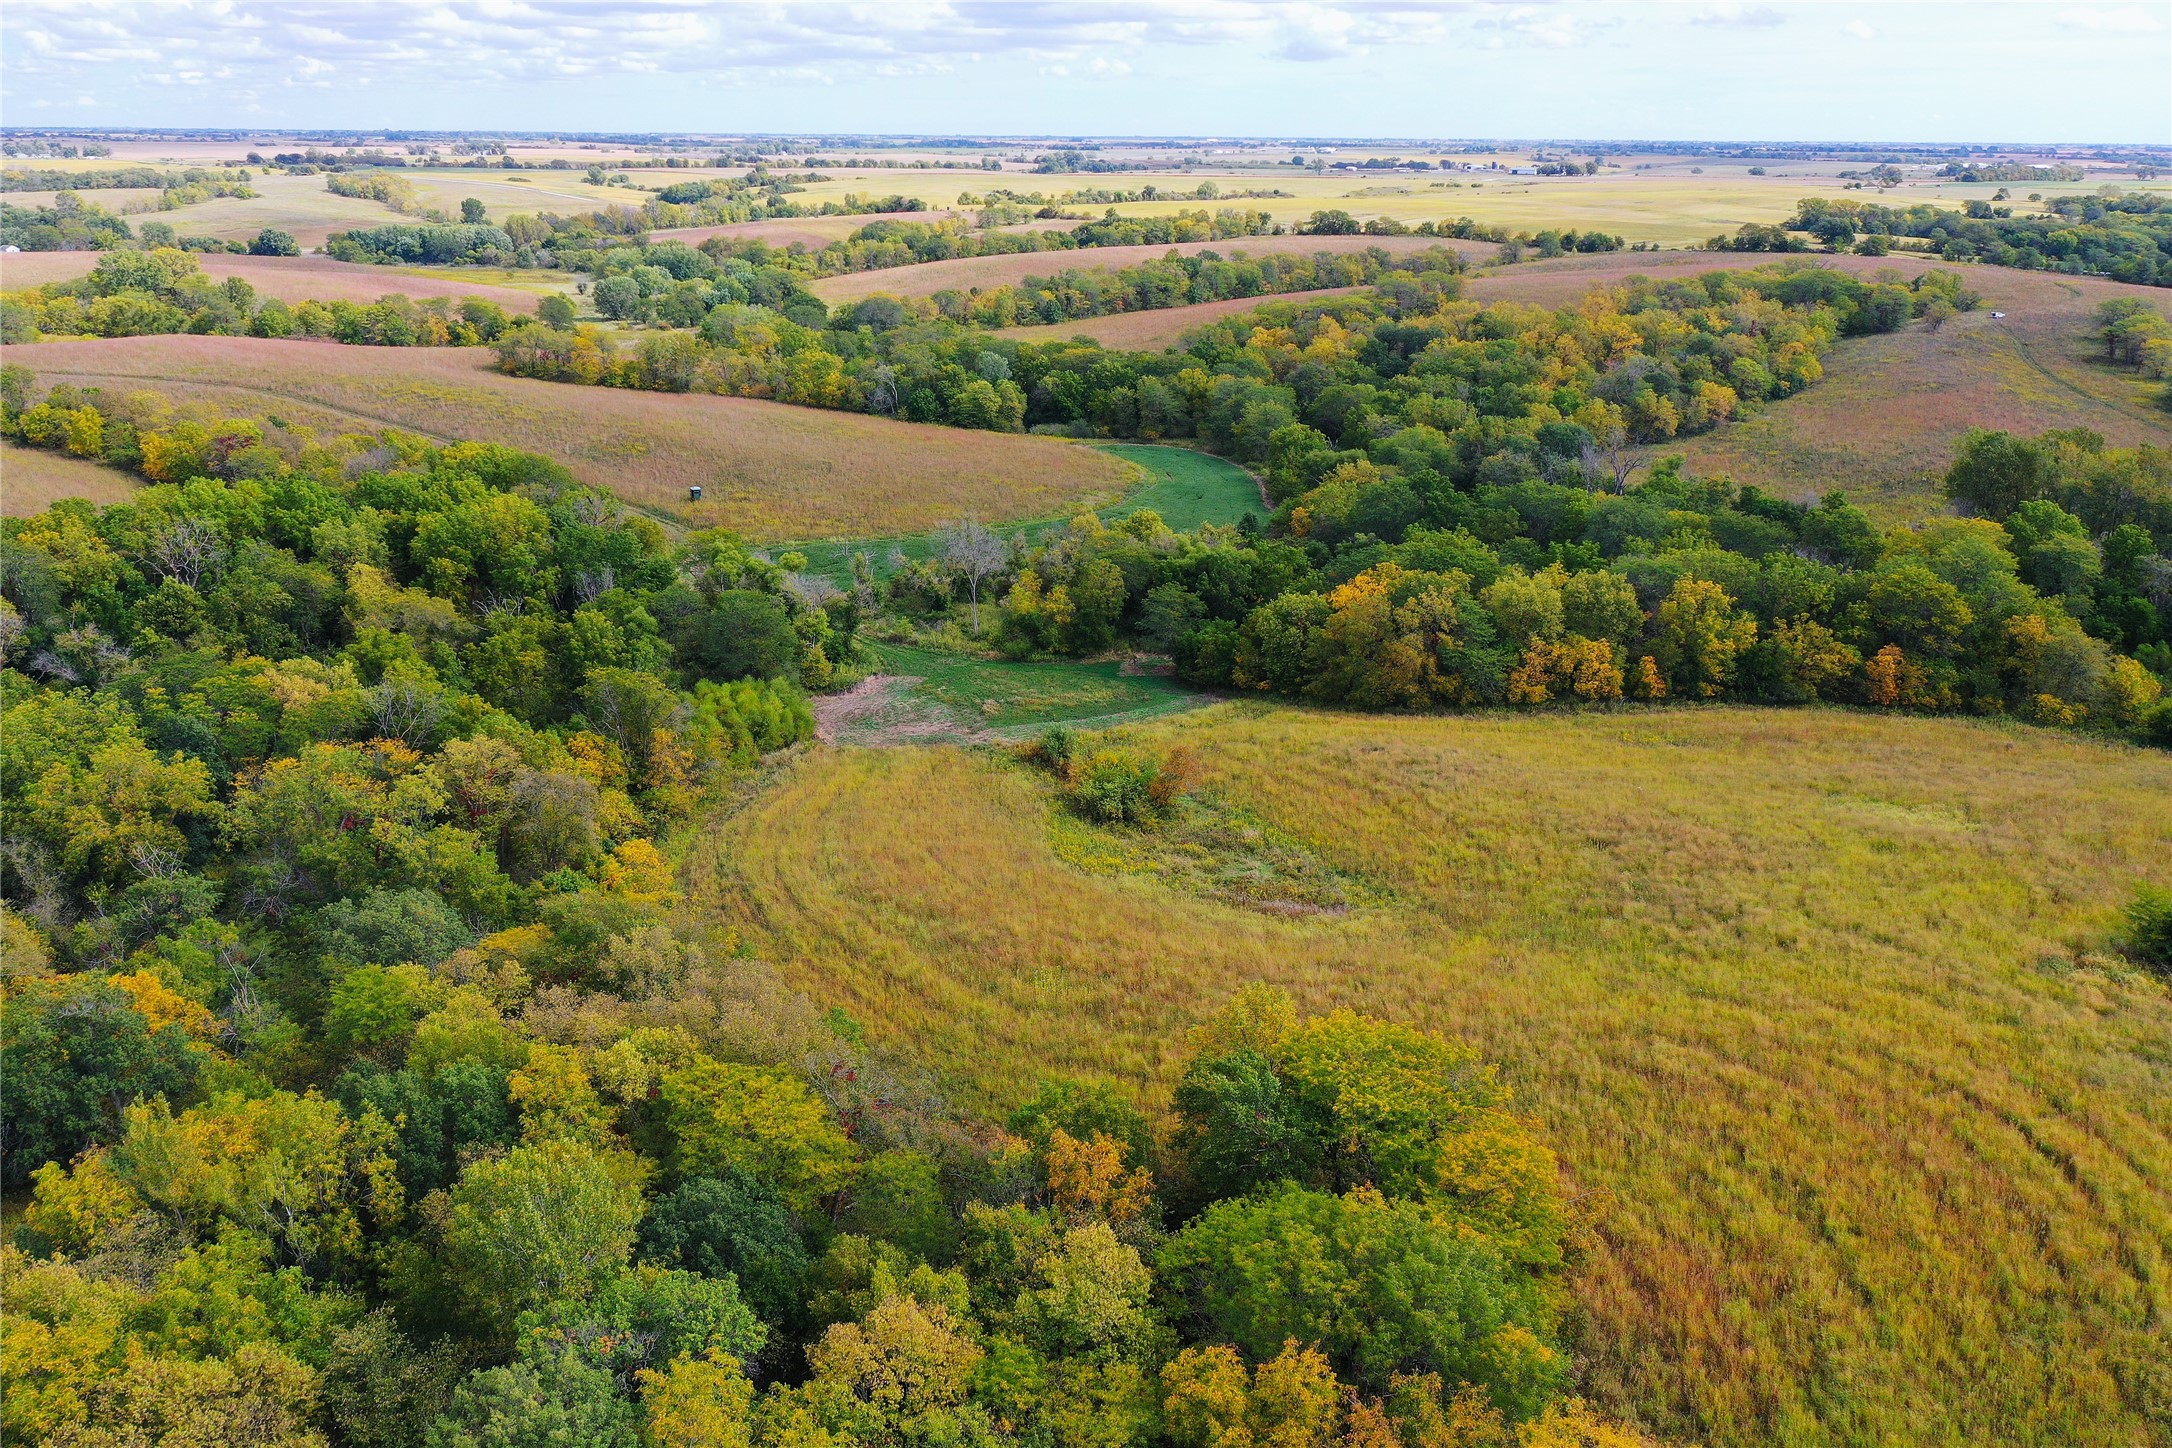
(2127, 237)
(141, 293)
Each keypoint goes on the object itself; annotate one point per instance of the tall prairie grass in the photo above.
(32, 479)
(1876, 1147)
(768, 470)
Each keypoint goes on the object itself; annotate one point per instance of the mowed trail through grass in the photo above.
(768, 470)
(1875, 1151)
(1883, 424)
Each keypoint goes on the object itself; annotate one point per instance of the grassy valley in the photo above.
(1554, 837)
(1814, 1005)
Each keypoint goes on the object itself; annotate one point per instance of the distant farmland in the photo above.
(289, 278)
(772, 471)
(1883, 423)
(981, 272)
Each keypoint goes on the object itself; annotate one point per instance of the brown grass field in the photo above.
(977, 273)
(1163, 327)
(771, 471)
(32, 479)
(1875, 1143)
(289, 278)
(1883, 423)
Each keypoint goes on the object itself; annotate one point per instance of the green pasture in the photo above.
(1186, 488)
(995, 696)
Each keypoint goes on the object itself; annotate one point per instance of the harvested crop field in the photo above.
(1163, 327)
(771, 471)
(1884, 422)
(289, 278)
(1874, 1140)
(978, 273)
(31, 479)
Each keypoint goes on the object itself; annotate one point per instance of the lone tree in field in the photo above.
(975, 554)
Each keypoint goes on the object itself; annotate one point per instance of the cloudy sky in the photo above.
(1963, 70)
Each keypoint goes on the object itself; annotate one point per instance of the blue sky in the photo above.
(1979, 71)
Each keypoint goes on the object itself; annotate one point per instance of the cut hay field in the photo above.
(811, 232)
(31, 480)
(504, 193)
(289, 278)
(1875, 1145)
(771, 471)
(1883, 423)
(978, 273)
(297, 205)
(1164, 327)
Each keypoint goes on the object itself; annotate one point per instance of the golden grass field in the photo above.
(1162, 327)
(1876, 1145)
(32, 479)
(289, 278)
(771, 471)
(297, 205)
(505, 192)
(1883, 423)
(975, 273)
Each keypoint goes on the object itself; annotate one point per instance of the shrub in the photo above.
(2149, 928)
(1115, 786)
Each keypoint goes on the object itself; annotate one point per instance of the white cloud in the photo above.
(2123, 19)
(1860, 29)
(481, 42)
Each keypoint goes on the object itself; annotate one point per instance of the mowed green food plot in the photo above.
(923, 696)
(1874, 1140)
(1186, 488)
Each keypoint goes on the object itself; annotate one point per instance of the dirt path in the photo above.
(878, 712)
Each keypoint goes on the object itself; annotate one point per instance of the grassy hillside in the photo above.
(980, 272)
(31, 479)
(1875, 1150)
(1163, 327)
(771, 471)
(297, 205)
(289, 278)
(1883, 423)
